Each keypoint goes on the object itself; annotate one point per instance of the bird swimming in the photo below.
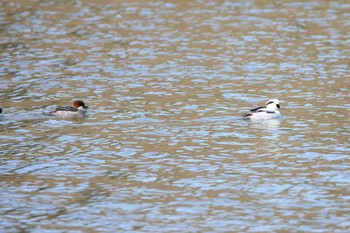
(78, 110)
(268, 112)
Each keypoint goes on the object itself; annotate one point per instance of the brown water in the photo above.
(163, 148)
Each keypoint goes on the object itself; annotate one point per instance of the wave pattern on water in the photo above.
(164, 147)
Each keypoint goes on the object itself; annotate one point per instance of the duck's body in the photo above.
(78, 110)
(268, 112)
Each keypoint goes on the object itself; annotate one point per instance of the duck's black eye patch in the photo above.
(278, 106)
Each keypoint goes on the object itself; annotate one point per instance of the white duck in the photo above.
(268, 112)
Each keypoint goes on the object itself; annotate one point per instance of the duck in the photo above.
(268, 112)
(77, 110)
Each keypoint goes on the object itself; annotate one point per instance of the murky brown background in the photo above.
(163, 148)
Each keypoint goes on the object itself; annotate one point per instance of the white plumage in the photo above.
(268, 112)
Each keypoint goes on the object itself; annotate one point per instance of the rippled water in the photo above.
(163, 148)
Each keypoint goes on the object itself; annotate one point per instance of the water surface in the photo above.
(164, 148)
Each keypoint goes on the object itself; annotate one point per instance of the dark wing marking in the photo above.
(247, 115)
(270, 112)
(66, 108)
(256, 109)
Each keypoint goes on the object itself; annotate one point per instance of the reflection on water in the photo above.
(163, 147)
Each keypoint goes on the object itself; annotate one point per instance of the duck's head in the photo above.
(273, 104)
(79, 105)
